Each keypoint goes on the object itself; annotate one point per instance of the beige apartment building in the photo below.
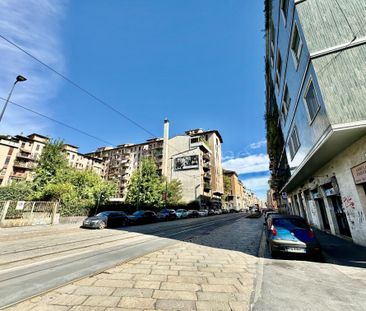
(194, 158)
(237, 196)
(122, 160)
(19, 156)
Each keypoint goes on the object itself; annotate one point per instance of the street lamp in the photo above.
(18, 79)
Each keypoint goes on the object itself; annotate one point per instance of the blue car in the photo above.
(291, 234)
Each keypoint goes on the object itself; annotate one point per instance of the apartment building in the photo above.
(194, 158)
(19, 156)
(315, 72)
(122, 160)
(213, 139)
(189, 162)
(235, 192)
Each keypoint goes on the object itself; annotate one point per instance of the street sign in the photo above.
(20, 205)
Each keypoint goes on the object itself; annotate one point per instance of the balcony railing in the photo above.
(27, 165)
(26, 156)
(207, 186)
(207, 176)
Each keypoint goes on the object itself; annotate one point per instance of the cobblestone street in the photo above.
(215, 270)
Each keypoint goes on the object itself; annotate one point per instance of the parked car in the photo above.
(181, 213)
(193, 213)
(106, 219)
(291, 234)
(203, 213)
(142, 217)
(211, 212)
(268, 214)
(225, 211)
(232, 210)
(167, 214)
(217, 212)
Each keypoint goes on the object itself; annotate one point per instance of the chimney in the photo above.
(165, 148)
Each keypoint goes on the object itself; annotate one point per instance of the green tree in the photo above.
(16, 191)
(175, 191)
(76, 190)
(227, 187)
(145, 187)
(50, 165)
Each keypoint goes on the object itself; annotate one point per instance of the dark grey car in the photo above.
(106, 219)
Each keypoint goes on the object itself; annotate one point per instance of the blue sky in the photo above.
(197, 62)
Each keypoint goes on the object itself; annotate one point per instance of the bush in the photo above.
(17, 191)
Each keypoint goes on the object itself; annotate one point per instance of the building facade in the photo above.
(194, 158)
(315, 71)
(19, 156)
(122, 160)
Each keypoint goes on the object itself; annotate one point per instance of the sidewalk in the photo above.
(185, 276)
(341, 251)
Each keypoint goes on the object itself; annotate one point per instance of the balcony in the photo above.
(206, 157)
(25, 149)
(26, 156)
(26, 165)
(206, 166)
(207, 176)
(207, 186)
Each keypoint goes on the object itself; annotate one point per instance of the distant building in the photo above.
(19, 156)
(122, 160)
(234, 197)
(316, 77)
(194, 158)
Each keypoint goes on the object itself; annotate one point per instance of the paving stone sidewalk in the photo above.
(185, 276)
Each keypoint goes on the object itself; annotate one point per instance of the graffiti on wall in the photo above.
(355, 216)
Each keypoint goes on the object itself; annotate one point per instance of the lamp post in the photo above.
(18, 79)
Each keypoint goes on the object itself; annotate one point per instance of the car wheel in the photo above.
(124, 223)
(102, 225)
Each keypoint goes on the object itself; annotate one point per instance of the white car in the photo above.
(181, 213)
(203, 212)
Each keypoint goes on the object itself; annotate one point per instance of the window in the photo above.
(294, 143)
(285, 103)
(284, 9)
(272, 45)
(311, 101)
(296, 45)
(37, 148)
(278, 69)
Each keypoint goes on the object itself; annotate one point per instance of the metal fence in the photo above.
(26, 213)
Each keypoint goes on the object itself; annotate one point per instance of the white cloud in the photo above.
(259, 185)
(248, 164)
(35, 26)
(258, 144)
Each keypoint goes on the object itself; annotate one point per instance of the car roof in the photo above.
(287, 216)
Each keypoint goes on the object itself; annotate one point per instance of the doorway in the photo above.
(323, 213)
(340, 216)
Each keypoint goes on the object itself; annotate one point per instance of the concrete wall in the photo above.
(353, 196)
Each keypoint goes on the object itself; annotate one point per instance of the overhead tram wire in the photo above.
(60, 122)
(104, 103)
(96, 98)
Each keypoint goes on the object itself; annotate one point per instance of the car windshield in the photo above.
(103, 214)
(290, 223)
(138, 213)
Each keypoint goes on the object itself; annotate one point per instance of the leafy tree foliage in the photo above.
(17, 191)
(76, 190)
(227, 187)
(174, 192)
(145, 187)
(51, 163)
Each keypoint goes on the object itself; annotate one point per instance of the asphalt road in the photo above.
(34, 260)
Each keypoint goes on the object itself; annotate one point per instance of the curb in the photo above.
(256, 293)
